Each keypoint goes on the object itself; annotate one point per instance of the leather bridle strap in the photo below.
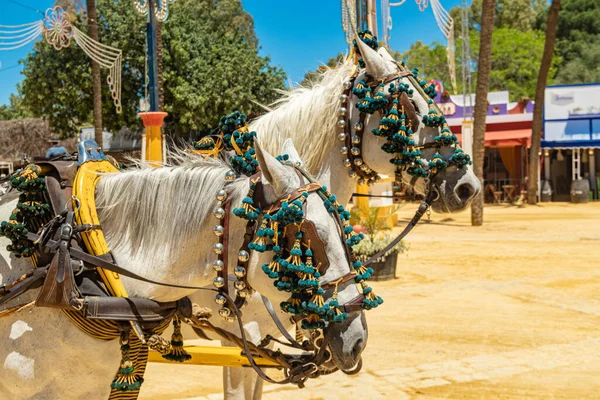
(413, 222)
(269, 307)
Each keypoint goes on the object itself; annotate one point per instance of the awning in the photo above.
(510, 138)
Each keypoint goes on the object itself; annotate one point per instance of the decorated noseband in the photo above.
(397, 124)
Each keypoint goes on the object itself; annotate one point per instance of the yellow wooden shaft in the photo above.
(84, 188)
(362, 203)
(215, 356)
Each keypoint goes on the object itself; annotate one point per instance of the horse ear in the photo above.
(272, 170)
(289, 149)
(375, 65)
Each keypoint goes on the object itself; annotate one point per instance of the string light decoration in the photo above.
(160, 8)
(58, 30)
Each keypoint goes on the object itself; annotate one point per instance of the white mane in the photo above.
(309, 116)
(158, 208)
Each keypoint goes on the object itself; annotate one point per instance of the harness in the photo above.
(99, 313)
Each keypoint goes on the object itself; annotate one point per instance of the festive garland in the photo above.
(32, 210)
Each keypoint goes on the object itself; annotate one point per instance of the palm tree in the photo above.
(536, 126)
(484, 65)
(92, 17)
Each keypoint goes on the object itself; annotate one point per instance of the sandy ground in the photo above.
(510, 310)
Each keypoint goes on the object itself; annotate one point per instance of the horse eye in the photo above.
(417, 111)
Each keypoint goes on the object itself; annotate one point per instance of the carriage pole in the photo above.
(153, 142)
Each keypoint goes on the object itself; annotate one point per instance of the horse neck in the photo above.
(185, 262)
(308, 116)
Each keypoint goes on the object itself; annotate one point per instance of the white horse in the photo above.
(309, 116)
(158, 224)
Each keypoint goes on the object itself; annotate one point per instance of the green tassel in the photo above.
(126, 379)
(177, 352)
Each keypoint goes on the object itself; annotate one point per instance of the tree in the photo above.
(536, 127)
(312, 76)
(92, 22)
(431, 60)
(484, 65)
(15, 109)
(210, 67)
(515, 67)
(578, 41)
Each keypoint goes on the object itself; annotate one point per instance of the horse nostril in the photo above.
(358, 348)
(465, 192)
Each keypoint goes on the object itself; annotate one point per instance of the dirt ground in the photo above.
(510, 310)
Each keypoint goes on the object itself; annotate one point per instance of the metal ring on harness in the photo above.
(77, 202)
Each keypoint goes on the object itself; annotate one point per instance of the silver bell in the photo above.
(341, 123)
(219, 282)
(224, 312)
(358, 127)
(220, 299)
(243, 293)
(219, 213)
(240, 272)
(342, 112)
(243, 256)
(347, 163)
(352, 174)
(355, 151)
(355, 139)
(218, 230)
(358, 161)
(341, 137)
(218, 265)
(344, 150)
(343, 98)
(230, 318)
(229, 175)
(361, 181)
(218, 248)
(347, 85)
(221, 195)
(239, 285)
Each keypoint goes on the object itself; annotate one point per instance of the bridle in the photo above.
(257, 236)
(352, 136)
(284, 228)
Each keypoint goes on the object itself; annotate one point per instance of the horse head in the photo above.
(455, 185)
(324, 321)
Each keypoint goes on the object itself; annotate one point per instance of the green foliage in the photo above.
(515, 67)
(371, 220)
(431, 60)
(15, 109)
(210, 66)
(578, 41)
(375, 238)
(313, 76)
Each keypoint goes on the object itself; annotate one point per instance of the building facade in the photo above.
(571, 140)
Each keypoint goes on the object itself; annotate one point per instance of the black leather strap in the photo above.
(279, 324)
(413, 222)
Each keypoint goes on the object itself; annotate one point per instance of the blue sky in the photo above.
(297, 34)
